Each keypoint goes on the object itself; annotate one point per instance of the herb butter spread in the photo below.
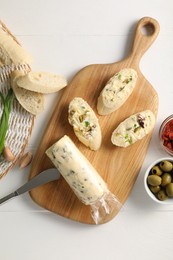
(85, 123)
(81, 176)
(116, 91)
(133, 128)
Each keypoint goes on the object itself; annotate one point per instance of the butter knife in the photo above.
(42, 178)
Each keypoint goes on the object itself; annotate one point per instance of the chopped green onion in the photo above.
(87, 123)
(7, 102)
(119, 76)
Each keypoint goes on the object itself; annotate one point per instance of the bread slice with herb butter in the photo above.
(42, 82)
(133, 128)
(116, 91)
(33, 102)
(85, 123)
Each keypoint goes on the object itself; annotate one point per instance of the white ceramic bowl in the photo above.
(168, 201)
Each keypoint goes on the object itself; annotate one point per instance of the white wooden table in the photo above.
(64, 36)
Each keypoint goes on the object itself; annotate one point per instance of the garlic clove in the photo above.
(8, 155)
(25, 160)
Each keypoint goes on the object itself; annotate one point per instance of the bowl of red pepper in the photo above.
(166, 134)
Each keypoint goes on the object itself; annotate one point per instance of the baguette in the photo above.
(85, 123)
(133, 128)
(42, 82)
(116, 91)
(11, 52)
(31, 101)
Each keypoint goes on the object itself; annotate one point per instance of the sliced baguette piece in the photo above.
(11, 52)
(133, 128)
(42, 82)
(85, 123)
(116, 91)
(33, 102)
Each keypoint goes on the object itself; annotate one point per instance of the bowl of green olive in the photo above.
(158, 181)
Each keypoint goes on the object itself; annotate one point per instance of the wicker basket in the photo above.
(20, 121)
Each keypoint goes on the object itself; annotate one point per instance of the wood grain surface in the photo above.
(119, 167)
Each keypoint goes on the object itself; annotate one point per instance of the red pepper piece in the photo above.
(165, 136)
(165, 142)
(171, 136)
(169, 145)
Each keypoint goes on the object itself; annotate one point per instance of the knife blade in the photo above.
(42, 178)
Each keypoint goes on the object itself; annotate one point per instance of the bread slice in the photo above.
(85, 123)
(42, 82)
(133, 128)
(33, 102)
(11, 52)
(116, 91)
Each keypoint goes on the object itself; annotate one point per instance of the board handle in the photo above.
(146, 32)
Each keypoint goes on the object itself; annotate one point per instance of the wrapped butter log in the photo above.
(83, 179)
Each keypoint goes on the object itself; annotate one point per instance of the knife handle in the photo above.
(9, 196)
(40, 179)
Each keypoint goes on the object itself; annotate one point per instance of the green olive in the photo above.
(161, 195)
(154, 189)
(166, 166)
(156, 170)
(169, 190)
(154, 180)
(166, 179)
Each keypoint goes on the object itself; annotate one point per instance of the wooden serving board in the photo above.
(119, 167)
